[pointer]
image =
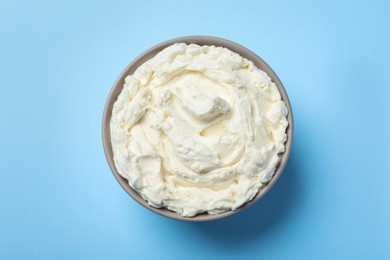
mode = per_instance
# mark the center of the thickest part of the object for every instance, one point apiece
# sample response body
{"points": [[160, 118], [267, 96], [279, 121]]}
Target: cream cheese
{"points": [[198, 129]]}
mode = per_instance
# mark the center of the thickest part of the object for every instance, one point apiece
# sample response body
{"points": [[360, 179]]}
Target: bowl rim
{"points": [[148, 54]]}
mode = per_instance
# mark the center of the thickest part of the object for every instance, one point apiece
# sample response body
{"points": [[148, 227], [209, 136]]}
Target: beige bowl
{"points": [[200, 40]]}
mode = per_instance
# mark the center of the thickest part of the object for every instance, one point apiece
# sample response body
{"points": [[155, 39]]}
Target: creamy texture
{"points": [[198, 129]]}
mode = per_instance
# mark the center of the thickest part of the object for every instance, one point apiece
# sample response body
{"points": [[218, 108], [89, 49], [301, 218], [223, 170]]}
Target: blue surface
{"points": [[58, 198]]}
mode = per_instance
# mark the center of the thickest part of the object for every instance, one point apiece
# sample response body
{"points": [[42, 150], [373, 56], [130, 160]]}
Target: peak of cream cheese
{"points": [[198, 129]]}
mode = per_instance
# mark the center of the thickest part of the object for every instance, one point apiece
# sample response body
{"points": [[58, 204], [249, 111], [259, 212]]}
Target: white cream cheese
{"points": [[198, 129]]}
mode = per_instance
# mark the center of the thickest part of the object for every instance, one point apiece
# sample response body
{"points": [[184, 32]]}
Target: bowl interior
{"points": [[200, 40]]}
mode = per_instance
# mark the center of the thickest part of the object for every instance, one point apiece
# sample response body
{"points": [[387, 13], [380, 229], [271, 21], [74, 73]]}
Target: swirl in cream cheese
{"points": [[198, 129]]}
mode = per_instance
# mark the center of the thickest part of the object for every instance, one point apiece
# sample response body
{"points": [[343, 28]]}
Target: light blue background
{"points": [[58, 198]]}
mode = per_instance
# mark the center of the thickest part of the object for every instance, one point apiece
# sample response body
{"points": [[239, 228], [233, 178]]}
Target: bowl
{"points": [[200, 40]]}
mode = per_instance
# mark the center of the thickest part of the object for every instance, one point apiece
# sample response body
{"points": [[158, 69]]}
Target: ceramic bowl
{"points": [[200, 40]]}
